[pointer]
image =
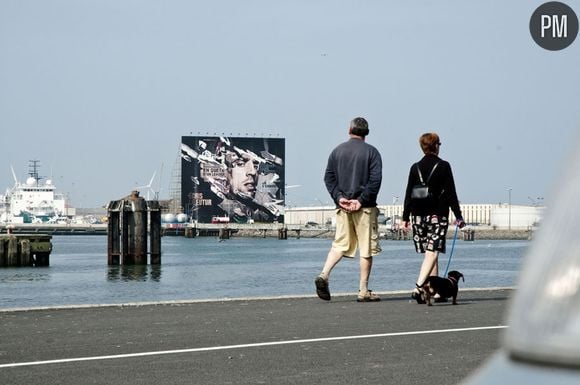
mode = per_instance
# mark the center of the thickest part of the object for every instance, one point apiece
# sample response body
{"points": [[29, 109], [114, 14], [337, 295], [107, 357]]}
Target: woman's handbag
{"points": [[421, 191]]}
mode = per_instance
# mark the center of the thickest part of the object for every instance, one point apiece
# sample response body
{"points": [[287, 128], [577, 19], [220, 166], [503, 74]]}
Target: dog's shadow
{"points": [[476, 300], [471, 301]]}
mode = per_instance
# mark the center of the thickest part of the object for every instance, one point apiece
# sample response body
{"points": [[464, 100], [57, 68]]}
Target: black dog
{"points": [[445, 287]]}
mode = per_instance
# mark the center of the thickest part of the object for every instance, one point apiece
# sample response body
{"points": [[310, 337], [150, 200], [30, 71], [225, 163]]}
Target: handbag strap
{"points": [[432, 171], [419, 171], [430, 174]]}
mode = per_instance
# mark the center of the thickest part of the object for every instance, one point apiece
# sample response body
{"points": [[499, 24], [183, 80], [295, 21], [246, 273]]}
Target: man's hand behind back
{"points": [[349, 205]]}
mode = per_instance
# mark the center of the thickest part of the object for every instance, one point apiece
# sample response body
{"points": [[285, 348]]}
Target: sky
{"points": [[101, 91]]}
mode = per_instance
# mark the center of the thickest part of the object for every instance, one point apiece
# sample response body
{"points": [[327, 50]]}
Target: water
{"points": [[203, 268]]}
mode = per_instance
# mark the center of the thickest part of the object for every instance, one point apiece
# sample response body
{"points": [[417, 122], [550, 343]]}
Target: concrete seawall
{"points": [[271, 231], [479, 234], [500, 234]]}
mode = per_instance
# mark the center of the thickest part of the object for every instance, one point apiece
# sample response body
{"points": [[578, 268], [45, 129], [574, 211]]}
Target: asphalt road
{"points": [[267, 341]]}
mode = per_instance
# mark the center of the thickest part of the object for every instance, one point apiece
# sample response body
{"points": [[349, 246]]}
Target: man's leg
{"points": [[364, 294], [366, 264], [368, 242], [321, 281], [341, 245], [333, 257]]}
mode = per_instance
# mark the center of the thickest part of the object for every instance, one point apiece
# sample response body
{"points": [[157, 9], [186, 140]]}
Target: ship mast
{"points": [[33, 167]]}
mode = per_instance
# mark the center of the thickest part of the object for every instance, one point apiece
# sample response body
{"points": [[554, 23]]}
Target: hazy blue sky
{"points": [[101, 91]]}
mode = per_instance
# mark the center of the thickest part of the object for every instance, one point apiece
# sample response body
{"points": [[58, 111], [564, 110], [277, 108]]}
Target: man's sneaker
{"points": [[369, 296], [322, 288]]}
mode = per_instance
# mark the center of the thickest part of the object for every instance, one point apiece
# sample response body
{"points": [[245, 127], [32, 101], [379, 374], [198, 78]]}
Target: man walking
{"points": [[353, 178]]}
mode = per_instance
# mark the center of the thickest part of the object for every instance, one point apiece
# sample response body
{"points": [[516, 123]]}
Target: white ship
{"points": [[34, 201]]}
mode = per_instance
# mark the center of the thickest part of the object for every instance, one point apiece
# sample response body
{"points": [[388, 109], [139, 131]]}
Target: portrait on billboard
{"points": [[236, 179]]}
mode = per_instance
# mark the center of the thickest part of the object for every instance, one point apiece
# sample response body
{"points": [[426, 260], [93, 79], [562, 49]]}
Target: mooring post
{"points": [[41, 259], [469, 235], [155, 232], [25, 257], [283, 233], [130, 219], [2, 252], [138, 228], [126, 257], [114, 234], [12, 259], [25, 250], [224, 233]]}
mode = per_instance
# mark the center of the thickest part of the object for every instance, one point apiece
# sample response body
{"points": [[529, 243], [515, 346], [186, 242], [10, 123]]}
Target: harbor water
{"points": [[205, 268]]}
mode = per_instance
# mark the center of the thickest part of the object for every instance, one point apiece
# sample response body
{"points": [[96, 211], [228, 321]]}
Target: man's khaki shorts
{"points": [[357, 229]]}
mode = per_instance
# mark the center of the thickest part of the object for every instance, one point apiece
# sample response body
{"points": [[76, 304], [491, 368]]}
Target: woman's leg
{"points": [[435, 269], [429, 264]]}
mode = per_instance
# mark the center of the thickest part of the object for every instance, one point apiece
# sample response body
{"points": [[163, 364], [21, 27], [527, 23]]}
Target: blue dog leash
{"points": [[452, 248]]}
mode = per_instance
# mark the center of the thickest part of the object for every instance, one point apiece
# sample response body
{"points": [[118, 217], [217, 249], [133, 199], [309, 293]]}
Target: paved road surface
{"points": [[271, 341]]}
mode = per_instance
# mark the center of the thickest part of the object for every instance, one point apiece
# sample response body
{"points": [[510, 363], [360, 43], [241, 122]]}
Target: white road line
{"points": [[254, 345]]}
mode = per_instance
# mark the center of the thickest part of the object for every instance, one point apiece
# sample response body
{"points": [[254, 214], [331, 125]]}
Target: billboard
{"points": [[233, 180]]}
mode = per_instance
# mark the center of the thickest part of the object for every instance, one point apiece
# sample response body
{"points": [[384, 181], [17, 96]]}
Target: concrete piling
{"points": [[137, 231], [155, 232], [114, 236], [25, 257], [283, 233], [23, 250], [130, 219], [224, 233], [469, 235], [12, 251]]}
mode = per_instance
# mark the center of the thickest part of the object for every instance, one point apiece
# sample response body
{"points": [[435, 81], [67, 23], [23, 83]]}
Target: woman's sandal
{"points": [[418, 295]]}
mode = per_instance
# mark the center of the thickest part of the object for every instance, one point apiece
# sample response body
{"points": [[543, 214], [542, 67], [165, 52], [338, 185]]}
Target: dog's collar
{"points": [[452, 279]]}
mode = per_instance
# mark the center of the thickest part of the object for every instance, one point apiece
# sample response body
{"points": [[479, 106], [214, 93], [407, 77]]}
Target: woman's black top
{"points": [[441, 187]]}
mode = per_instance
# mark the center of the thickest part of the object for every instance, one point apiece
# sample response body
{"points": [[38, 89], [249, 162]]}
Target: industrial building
{"points": [[497, 216]]}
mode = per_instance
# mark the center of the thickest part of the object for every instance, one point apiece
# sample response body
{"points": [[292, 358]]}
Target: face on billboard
{"points": [[242, 175], [241, 179]]}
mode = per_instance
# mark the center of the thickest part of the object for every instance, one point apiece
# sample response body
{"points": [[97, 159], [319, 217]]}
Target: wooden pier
{"points": [[21, 250]]}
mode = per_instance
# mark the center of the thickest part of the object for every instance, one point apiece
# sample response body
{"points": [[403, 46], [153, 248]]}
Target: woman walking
{"points": [[429, 195]]}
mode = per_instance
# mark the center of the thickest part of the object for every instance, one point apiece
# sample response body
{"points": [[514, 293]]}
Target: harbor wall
{"points": [[55, 229], [328, 233], [257, 231]]}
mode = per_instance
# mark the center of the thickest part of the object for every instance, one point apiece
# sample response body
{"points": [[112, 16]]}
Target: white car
{"points": [[542, 343]]}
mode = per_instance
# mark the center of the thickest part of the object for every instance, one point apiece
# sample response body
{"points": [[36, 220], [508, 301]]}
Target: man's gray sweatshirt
{"points": [[354, 171]]}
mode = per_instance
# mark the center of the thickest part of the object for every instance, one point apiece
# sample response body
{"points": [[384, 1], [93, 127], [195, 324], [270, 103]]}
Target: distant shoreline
{"points": [[484, 233], [498, 234], [478, 234]]}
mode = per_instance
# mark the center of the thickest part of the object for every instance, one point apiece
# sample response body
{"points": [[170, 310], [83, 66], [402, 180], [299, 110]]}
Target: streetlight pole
{"points": [[394, 217], [509, 208], [322, 211]]}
